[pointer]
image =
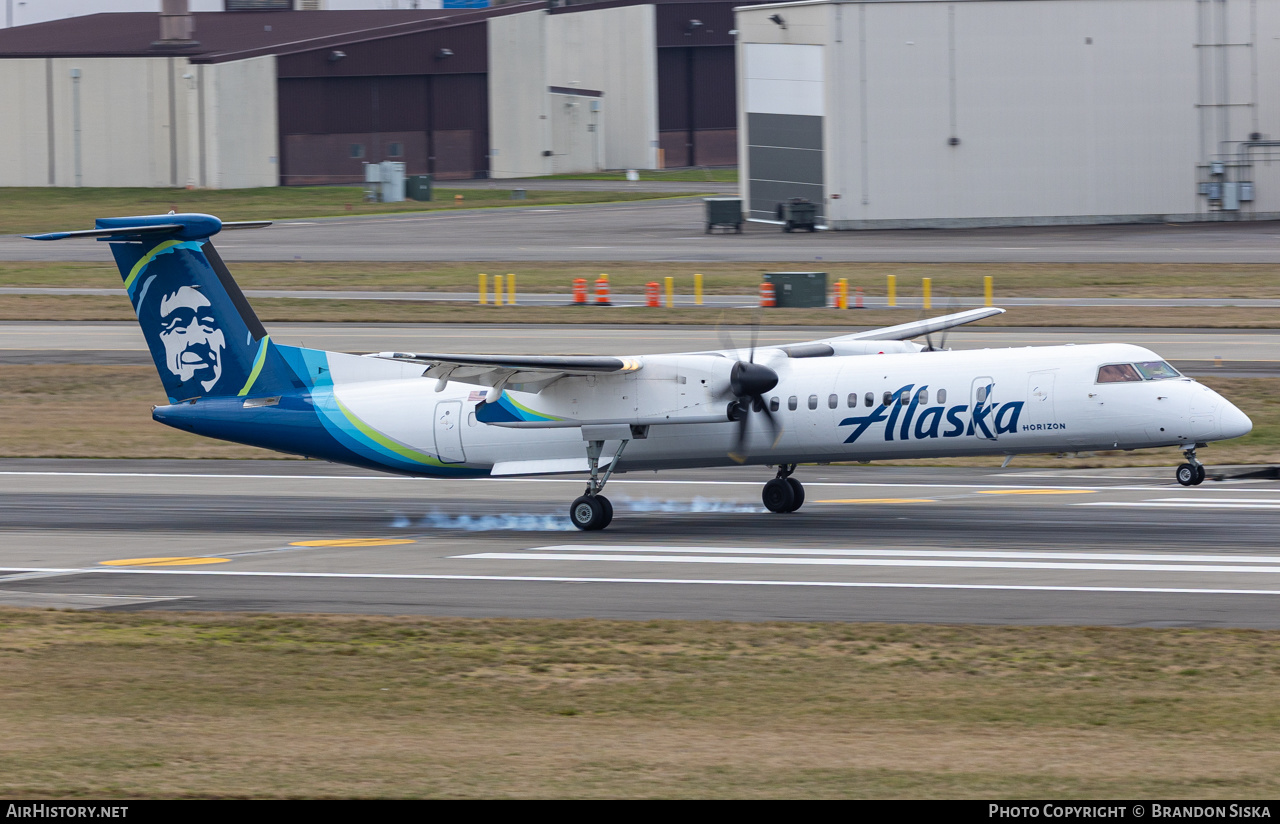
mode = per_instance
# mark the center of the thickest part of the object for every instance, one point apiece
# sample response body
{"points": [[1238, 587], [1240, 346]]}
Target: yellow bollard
{"points": [[484, 298], [988, 287], [926, 292], [497, 290], [511, 289], [842, 293], [892, 295], [697, 290], [671, 291]]}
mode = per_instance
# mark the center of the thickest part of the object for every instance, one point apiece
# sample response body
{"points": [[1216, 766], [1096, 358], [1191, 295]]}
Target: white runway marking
{"points": [[709, 581], [921, 553], [865, 562], [1184, 504]]}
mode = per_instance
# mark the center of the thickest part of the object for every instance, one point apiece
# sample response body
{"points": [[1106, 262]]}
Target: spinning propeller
{"points": [[748, 381]]}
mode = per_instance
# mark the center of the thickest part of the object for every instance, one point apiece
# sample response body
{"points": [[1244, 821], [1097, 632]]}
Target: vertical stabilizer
{"points": [[203, 335]]}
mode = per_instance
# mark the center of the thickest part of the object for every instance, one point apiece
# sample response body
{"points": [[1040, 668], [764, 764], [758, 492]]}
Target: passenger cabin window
{"points": [[904, 398], [1118, 373], [792, 403], [888, 398], [942, 396], [870, 399], [853, 399], [922, 397], [833, 401], [813, 401], [1157, 370], [773, 404]]}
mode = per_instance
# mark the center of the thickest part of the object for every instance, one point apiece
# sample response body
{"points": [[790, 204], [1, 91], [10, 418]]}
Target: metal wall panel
{"points": [[697, 93], [414, 53]]}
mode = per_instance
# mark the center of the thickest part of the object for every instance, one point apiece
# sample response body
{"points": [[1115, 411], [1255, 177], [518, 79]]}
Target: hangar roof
{"points": [[224, 36]]}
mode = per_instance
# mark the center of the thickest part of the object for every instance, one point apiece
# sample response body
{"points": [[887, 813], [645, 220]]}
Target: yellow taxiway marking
{"points": [[154, 562], [879, 501], [355, 542], [1036, 491]]}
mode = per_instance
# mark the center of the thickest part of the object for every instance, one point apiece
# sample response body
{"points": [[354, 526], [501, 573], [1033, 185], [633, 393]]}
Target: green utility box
{"points": [[724, 213], [799, 289], [798, 213], [417, 187]]}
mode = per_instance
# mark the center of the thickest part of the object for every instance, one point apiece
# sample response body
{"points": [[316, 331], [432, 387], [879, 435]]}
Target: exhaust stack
{"points": [[177, 25]]}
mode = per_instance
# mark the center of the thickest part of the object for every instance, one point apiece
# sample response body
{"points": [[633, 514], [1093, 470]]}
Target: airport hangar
{"points": [[244, 99], [954, 113]]}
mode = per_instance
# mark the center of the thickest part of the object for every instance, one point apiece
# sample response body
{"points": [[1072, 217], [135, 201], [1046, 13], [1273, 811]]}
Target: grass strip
{"points": [[31, 210], [163, 705], [75, 411], [1054, 280]]}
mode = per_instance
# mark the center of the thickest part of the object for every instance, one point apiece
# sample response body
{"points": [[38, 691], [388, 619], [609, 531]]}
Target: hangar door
{"points": [[783, 110], [434, 124]]}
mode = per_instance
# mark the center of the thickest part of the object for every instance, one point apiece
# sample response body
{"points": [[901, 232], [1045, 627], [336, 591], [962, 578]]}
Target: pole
{"points": [[988, 284], [892, 295], [697, 290], [484, 298], [497, 290], [926, 291], [671, 291]]}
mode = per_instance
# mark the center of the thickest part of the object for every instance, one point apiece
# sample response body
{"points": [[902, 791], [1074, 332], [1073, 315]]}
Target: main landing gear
{"points": [[1192, 472], [784, 493], [591, 510]]}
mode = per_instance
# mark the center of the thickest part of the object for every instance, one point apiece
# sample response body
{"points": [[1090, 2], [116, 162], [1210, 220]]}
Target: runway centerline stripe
{"points": [[919, 553], [868, 562], [702, 581]]}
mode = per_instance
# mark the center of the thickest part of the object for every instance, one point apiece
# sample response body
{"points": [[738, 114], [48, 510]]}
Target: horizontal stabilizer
{"points": [[187, 227], [163, 228]]}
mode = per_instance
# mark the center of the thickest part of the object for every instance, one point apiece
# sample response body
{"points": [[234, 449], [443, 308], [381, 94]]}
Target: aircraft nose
{"points": [[1233, 422]]}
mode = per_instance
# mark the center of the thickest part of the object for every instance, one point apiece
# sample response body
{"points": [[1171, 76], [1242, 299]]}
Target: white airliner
{"points": [[861, 397]]}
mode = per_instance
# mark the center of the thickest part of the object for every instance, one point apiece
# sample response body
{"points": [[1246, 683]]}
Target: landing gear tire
{"points": [[797, 491], [591, 512], [1200, 473], [779, 496], [1188, 474]]}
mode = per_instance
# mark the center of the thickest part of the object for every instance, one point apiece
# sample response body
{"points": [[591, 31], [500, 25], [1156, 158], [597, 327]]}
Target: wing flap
{"points": [[906, 331]]}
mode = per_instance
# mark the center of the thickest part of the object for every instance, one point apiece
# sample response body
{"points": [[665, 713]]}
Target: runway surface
{"points": [[1250, 352], [1115, 547], [672, 230]]}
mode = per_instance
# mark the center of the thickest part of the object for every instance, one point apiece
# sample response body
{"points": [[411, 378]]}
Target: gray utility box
{"points": [[384, 182], [798, 213], [417, 187], [724, 213], [799, 289]]}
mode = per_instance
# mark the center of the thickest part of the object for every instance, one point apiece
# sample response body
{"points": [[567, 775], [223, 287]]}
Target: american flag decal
{"points": [[477, 395]]}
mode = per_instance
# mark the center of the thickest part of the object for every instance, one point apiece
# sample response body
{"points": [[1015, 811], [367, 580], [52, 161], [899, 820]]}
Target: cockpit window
{"points": [[1157, 370], [1118, 373]]}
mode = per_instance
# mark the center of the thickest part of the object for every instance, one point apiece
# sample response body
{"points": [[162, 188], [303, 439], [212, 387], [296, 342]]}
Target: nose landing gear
{"points": [[1192, 472], [784, 493]]}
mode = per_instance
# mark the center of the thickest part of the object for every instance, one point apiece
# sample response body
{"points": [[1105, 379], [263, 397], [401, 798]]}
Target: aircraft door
{"points": [[448, 431], [982, 404], [1040, 396]]}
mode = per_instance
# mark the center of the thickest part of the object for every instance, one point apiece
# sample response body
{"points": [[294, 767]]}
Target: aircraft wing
{"points": [[906, 331], [532, 372]]}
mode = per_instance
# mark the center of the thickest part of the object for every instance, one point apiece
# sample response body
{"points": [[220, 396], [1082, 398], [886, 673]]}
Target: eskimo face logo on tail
{"points": [[193, 340], [901, 421]]}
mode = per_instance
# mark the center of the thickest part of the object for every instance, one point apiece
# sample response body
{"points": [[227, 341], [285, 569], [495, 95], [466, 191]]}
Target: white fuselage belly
{"points": [[1043, 399]]}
